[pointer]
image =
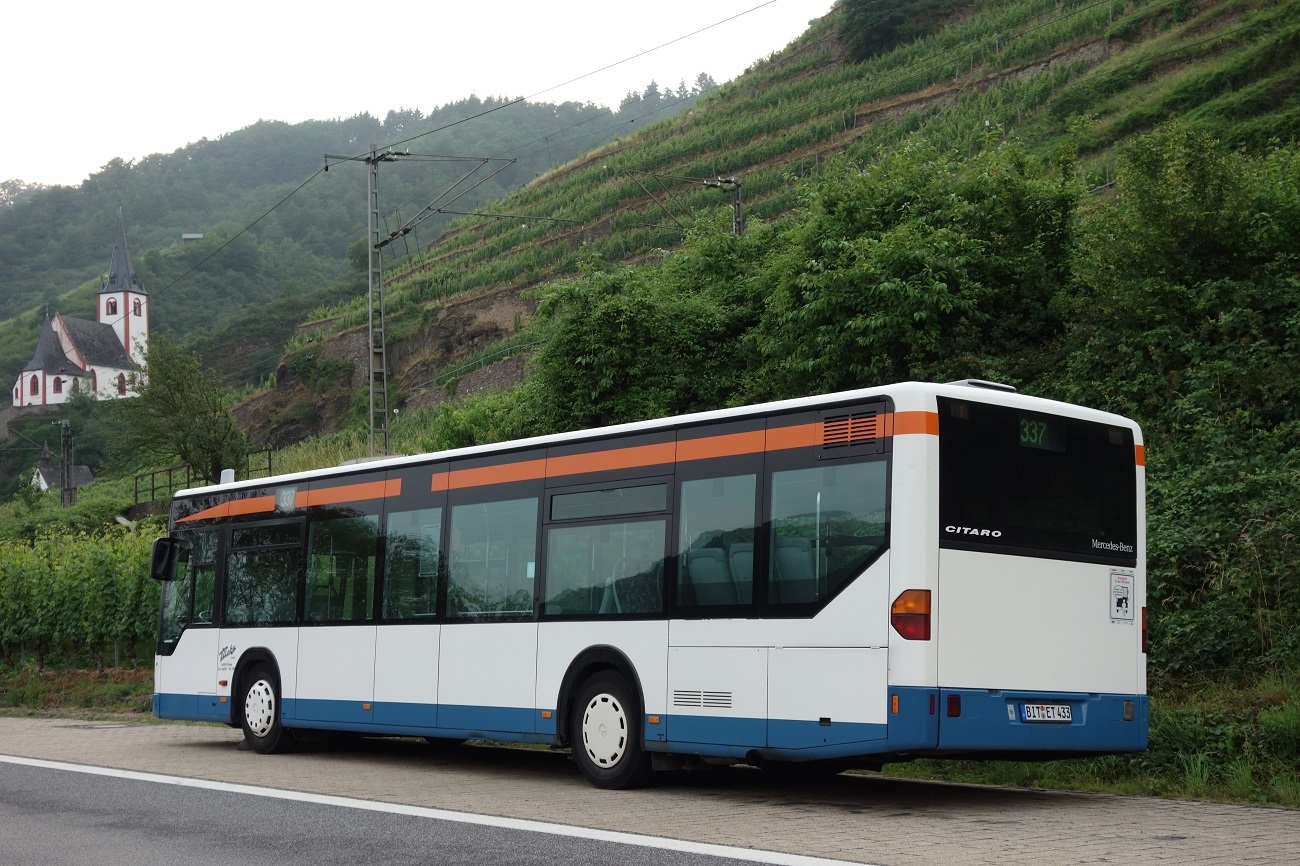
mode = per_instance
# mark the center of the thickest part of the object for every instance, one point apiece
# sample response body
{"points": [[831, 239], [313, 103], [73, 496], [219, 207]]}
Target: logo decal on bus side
{"points": [[971, 530]]}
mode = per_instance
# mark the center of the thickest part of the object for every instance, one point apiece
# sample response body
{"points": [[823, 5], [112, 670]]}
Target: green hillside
{"points": [[1100, 73], [275, 228]]}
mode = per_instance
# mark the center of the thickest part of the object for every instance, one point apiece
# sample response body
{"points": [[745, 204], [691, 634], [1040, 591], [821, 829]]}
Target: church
{"points": [[99, 357]]}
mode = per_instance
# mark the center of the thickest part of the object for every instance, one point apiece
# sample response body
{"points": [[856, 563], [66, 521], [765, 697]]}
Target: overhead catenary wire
{"points": [[318, 172], [585, 75]]}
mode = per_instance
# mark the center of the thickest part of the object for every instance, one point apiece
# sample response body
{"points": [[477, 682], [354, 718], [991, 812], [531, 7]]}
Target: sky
{"points": [[90, 80]]}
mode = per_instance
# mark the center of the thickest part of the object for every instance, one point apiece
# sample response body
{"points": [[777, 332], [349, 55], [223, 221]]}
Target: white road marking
{"points": [[748, 855]]}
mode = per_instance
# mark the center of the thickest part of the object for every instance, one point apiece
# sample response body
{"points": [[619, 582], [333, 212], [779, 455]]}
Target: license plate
{"points": [[1046, 713]]}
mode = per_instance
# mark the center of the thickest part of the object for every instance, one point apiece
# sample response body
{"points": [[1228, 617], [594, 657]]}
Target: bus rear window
{"points": [[1022, 482]]}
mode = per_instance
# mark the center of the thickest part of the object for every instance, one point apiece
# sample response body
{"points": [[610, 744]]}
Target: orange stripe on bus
{"points": [[234, 508], [909, 423], [798, 436], [616, 458], [1141, 454], [440, 478], [727, 445], [255, 505], [526, 470], [330, 496], [351, 493]]}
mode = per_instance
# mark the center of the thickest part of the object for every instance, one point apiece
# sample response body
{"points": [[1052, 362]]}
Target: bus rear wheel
{"points": [[607, 733], [260, 712]]}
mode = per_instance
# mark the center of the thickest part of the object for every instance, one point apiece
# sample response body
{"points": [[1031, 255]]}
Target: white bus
{"points": [[918, 570]]}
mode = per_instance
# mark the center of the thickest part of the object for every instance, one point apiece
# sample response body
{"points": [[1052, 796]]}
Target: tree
{"points": [[181, 413], [704, 83], [871, 27], [923, 265]]}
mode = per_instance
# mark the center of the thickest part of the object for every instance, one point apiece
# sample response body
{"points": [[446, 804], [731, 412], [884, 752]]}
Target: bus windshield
{"points": [[1020, 482]]}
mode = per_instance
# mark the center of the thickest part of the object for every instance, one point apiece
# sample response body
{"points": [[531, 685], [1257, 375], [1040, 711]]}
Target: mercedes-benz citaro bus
{"points": [[918, 570]]}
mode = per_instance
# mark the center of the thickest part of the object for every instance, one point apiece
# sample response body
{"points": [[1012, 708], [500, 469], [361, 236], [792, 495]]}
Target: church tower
{"points": [[103, 357], [123, 303]]}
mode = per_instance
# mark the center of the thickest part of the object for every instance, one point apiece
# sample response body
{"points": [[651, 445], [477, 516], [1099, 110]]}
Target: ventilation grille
{"points": [[855, 429], [712, 700]]}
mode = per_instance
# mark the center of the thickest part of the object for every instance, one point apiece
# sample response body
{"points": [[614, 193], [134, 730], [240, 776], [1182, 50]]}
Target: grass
{"points": [[120, 690]]}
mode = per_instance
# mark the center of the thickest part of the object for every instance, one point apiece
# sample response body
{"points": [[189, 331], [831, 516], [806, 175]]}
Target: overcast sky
{"points": [[84, 81]]}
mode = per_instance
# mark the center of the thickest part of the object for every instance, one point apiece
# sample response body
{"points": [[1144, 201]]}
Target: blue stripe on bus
{"points": [[716, 730], [193, 708], [989, 720], [512, 719], [304, 712], [994, 720]]}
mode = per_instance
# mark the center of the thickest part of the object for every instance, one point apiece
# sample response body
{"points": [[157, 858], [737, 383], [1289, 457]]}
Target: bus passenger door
{"points": [[336, 644], [259, 597], [487, 660], [406, 652], [185, 678]]}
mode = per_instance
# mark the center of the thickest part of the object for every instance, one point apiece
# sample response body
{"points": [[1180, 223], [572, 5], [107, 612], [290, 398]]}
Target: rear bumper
{"points": [[984, 720]]}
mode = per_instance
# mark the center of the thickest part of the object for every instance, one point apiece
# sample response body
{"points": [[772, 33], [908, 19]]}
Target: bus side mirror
{"points": [[162, 563]]}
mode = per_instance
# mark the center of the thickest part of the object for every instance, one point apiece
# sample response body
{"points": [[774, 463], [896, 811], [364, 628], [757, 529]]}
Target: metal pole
{"points": [[67, 493], [378, 357], [737, 215]]}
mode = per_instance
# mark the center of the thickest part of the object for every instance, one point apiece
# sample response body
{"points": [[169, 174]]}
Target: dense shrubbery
{"points": [[1186, 315], [78, 599]]}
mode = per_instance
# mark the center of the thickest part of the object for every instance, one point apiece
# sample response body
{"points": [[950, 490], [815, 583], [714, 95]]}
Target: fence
{"points": [[163, 483]]}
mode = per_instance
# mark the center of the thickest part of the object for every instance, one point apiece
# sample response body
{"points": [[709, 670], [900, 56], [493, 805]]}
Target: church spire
{"points": [[121, 273]]}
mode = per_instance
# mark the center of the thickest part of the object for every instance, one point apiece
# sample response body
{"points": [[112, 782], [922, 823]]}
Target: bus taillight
{"points": [[910, 614], [1144, 629]]}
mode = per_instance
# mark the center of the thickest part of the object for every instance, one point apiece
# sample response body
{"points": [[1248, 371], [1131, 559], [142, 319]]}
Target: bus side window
{"points": [[605, 569], [828, 522], [263, 570], [716, 555], [188, 599], [411, 564], [203, 565], [341, 568], [493, 559]]}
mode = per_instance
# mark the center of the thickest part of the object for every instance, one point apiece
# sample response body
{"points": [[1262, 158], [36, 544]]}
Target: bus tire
{"points": [[260, 712], [607, 733]]}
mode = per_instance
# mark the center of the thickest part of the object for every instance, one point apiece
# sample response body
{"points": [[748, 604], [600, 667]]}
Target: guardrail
{"points": [[163, 483]]}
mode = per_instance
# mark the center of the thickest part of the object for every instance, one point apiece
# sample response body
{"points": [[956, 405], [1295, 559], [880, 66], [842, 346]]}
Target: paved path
{"points": [[864, 818]]}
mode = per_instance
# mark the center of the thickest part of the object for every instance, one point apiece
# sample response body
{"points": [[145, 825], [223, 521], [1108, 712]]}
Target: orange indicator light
{"points": [[893, 704], [365, 706], [654, 720], [546, 714]]}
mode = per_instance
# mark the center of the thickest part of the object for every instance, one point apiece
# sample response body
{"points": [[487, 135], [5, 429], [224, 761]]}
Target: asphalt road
{"points": [[859, 818], [57, 817]]}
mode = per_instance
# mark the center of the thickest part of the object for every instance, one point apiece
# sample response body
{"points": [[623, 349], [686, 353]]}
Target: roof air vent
{"points": [[983, 383]]}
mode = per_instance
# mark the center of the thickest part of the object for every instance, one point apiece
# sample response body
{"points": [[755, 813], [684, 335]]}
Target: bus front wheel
{"points": [[607, 733], [263, 730]]}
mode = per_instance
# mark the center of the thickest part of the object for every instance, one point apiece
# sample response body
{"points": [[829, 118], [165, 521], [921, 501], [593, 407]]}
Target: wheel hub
{"points": [[259, 708], [604, 730]]}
